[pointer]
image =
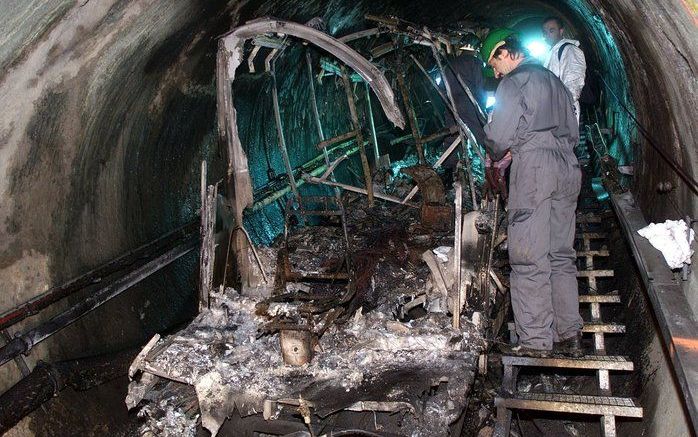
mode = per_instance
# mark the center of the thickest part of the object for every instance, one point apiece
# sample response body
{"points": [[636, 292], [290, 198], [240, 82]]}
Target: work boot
{"points": [[519, 350], [571, 347]]}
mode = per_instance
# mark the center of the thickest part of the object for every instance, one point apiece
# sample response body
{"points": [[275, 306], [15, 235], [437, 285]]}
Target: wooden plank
{"points": [[608, 328]]}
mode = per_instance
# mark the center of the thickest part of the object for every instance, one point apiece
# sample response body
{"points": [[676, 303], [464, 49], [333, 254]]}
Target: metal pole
{"points": [[411, 118], [316, 180], [275, 195], [374, 137], [456, 254], [55, 294], [208, 246], [359, 137], [23, 343], [465, 130], [280, 134], [326, 154], [471, 179]]}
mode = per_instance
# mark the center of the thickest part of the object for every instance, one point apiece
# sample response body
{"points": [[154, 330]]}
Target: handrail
{"points": [[96, 275]]}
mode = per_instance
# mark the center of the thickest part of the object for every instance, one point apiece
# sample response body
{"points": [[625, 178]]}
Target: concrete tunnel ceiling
{"points": [[109, 108]]}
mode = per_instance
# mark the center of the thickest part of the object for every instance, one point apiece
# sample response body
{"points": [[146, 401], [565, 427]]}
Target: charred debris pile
{"points": [[383, 287], [388, 346]]}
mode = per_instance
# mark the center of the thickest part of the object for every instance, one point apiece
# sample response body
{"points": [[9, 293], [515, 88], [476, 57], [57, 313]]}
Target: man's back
{"points": [[539, 113]]}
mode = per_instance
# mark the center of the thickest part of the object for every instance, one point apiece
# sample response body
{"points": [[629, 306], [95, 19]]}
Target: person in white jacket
{"points": [[566, 60]]}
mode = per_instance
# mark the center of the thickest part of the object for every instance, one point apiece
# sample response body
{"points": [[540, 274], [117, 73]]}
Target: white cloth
{"points": [[570, 68], [671, 238]]}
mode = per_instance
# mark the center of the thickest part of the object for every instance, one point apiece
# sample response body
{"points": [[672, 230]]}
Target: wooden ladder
{"points": [[603, 404]]}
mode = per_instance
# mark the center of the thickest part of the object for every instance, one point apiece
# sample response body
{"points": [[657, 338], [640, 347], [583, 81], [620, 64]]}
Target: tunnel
{"points": [[110, 108]]}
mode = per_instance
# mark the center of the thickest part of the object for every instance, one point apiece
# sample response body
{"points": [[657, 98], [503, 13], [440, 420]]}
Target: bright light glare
{"points": [[538, 49], [490, 102], [438, 80]]}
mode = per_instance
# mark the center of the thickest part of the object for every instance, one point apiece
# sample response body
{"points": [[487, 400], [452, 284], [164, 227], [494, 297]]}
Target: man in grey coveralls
{"points": [[534, 119]]}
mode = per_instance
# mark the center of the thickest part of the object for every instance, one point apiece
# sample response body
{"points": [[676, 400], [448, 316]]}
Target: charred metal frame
{"points": [[230, 56]]}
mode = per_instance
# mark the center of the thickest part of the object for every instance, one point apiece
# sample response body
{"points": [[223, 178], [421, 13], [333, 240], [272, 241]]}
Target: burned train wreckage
{"points": [[378, 302]]}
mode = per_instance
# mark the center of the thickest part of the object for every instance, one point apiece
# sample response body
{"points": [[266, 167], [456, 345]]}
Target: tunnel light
{"points": [[538, 48], [490, 102]]}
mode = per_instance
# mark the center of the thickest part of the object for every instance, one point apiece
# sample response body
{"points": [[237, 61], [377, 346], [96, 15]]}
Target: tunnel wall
{"points": [[659, 44], [108, 109]]}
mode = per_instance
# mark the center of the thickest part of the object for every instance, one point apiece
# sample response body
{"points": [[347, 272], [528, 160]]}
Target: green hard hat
{"points": [[491, 42]]}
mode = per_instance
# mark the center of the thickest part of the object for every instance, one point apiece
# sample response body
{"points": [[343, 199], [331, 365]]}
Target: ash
{"points": [[412, 362]]}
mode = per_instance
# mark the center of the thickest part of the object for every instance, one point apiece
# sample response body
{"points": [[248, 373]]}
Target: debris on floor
{"points": [[391, 353]]}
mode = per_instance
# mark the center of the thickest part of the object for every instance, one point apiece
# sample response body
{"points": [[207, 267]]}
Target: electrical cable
{"points": [[680, 171]]}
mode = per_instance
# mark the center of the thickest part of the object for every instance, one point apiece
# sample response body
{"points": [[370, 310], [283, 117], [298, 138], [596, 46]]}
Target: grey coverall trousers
{"points": [[544, 186], [534, 119]]}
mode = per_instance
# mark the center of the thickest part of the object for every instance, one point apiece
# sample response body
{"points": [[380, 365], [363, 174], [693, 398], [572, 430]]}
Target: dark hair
{"points": [[558, 20], [513, 46]]}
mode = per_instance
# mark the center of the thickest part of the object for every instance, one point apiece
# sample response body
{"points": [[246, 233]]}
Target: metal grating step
{"points": [[581, 253], [562, 403], [599, 298], [595, 273], [608, 328], [593, 362]]}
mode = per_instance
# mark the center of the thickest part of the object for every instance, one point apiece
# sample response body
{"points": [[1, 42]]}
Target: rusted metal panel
{"points": [[429, 183], [437, 217]]}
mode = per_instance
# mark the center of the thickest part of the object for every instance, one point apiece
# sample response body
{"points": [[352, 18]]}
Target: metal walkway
{"points": [[604, 404]]}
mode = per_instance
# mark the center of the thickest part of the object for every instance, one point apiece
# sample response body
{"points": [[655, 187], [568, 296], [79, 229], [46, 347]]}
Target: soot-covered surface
{"points": [[373, 356]]}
